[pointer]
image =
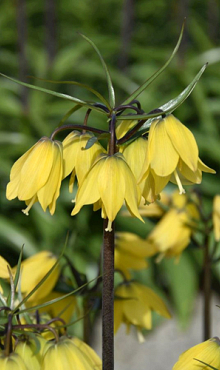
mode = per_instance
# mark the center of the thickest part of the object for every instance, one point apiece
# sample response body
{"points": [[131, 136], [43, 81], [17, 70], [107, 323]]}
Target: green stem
{"points": [[108, 299]]}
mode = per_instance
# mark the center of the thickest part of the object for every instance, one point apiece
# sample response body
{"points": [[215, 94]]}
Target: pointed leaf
{"points": [[109, 81], [167, 107], [59, 95], [18, 269], [204, 363], [96, 93], [137, 92], [69, 113]]}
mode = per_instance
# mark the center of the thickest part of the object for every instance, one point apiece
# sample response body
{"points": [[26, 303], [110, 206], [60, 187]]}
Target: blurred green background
{"points": [[39, 38]]}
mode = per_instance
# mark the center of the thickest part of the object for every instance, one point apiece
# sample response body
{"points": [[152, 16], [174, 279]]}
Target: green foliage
{"points": [[27, 115]]}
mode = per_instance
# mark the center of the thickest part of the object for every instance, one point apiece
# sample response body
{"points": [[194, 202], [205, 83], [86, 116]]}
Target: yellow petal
{"points": [[163, 157], [36, 169], [183, 141], [205, 168], [70, 150]]}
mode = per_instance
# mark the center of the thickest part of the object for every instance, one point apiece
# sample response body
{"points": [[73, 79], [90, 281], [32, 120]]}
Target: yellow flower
{"points": [[208, 352], [33, 269], [172, 233], [12, 362], [63, 308], [76, 159], [172, 155], [109, 182], [30, 354], [134, 303], [4, 274], [131, 252], [37, 175], [70, 354], [216, 217], [123, 127]]}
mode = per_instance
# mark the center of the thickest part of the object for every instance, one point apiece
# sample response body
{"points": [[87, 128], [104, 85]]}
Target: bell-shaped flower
{"points": [[33, 270], [172, 233], [203, 356], [131, 252], [70, 354], [133, 305], [216, 217], [77, 159], [12, 362], [172, 155], [31, 351], [109, 183], [37, 175]]}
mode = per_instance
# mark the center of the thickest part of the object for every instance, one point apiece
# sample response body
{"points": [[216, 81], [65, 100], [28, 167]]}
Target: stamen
{"points": [[180, 186], [26, 210], [109, 227]]}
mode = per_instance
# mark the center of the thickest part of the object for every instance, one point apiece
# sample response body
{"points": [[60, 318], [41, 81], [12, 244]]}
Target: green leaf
{"points": [[170, 106], [96, 93], [18, 269], [68, 114], [42, 280], [59, 95], [55, 300], [180, 287], [204, 363], [140, 89], [109, 81], [90, 142]]}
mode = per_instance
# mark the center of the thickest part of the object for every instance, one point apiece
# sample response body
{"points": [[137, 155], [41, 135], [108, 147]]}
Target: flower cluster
{"points": [[39, 354], [141, 168]]}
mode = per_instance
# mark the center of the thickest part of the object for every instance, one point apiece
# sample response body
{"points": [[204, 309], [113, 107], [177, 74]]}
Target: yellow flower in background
{"points": [[33, 269], [133, 305], [172, 233], [172, 155], [76, 159], [208, 352], [110, 182], [63, 308], [70, 354], [4, 274], [37, 175], [131, 252], [216, 217]]}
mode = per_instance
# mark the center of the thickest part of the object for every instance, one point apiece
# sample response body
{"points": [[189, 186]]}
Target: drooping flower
{"points": [[12, 362], [216, 217], [70, 354], [109, 183], [195, 358], [28, 350], [131, 252], [33, 269], [123, 127], [172, 155], [77, 159], [172, 233], [37, 175], [133, 305]]}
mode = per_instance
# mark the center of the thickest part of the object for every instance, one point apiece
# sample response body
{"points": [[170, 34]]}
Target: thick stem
{"points": [[108, 299], [207, 291]]}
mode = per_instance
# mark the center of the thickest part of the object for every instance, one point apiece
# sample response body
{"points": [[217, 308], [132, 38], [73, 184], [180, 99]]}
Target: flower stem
{"points": [[108, 299]]}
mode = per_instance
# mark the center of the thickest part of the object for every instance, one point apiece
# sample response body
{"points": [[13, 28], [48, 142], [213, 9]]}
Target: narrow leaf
{"points": [[168, 107], [96, 93], [140, 89], [90, 142], [18, 269], [204, 363], [68, 114], [109, 81], [59, 95]]}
